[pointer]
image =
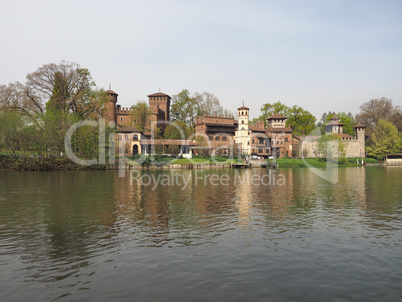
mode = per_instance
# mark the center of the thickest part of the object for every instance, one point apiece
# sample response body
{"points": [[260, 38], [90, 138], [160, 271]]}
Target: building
{"points": [[117, 116], [217, 132], [352, 146], [132, 141]]}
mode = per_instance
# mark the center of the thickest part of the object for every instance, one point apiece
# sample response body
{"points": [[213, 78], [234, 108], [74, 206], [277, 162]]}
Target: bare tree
{"points": [[65, 87]]}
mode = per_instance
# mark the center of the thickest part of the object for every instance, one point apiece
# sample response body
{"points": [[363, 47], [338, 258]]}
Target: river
{"points": [[189, 235]]}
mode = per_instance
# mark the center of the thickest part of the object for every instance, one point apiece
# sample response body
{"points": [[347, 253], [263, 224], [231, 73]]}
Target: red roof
{"points": [[359, 126], [243, 108], [334, 117], [276, 116], [273, 129], [158, 94], [110, 92]]}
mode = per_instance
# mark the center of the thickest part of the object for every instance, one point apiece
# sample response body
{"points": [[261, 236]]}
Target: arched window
{"points": [[242, 122], [135, 137]]}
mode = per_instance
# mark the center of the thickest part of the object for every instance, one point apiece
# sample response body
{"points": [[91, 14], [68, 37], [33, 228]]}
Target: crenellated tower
{"points": [[110, 108]]}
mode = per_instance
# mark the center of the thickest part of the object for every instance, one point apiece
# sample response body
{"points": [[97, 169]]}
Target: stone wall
{"points": [[308, 147]]}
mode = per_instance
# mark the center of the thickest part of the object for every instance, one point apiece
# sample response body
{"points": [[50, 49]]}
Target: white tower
{"points": [[242, 134]]}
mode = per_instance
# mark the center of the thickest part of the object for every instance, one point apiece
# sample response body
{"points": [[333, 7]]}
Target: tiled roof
{"points": [[359, 126], [285, 129], [243, 108], [110, 92], [276, 116], [158, 94]]}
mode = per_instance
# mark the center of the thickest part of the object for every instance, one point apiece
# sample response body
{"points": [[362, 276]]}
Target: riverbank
{"points": [[321, 163], [43, 164], [61, 163]]}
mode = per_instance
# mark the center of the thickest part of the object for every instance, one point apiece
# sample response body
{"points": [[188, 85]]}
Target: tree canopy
{"points": [[299, 119], [139, 114], [385, 139], [63, 87], [185, 107]]}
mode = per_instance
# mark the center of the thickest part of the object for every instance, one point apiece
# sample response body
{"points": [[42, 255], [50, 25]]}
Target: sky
{"points": [[319, 55]]}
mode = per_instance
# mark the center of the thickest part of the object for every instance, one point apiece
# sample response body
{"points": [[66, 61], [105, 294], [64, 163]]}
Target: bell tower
{"points": [[242, 134]]}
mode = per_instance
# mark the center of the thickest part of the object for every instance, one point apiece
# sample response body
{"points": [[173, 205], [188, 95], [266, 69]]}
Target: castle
{"points": [[117, 116], [223, 135], [353, 146]]}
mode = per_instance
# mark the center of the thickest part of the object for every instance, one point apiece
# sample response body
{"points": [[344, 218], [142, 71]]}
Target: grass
{"points": [[320, 163]]}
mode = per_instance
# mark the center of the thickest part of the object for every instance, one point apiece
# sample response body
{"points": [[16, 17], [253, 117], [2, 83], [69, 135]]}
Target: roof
{"points": [[158, 94], [334, 124], [282, 129], [334, 117], [220, 125], [256, 129], [359, 126], [243, 108], [168, 142], [276, 116], [110, 92], [128, 129]]}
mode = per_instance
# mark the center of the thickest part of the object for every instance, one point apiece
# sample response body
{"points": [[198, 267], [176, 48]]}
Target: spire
{"points": [[110, 86]]}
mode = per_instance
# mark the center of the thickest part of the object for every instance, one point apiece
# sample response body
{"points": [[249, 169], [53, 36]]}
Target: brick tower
{"points": [[110, 108]]}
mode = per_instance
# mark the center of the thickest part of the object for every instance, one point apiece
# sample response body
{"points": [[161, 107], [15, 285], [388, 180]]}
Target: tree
{"points": [[65, 87], [207, 103], [139, 115], [177, 130], [374, 110], [346, 119], [184, 108], [269, 109], [301, 121], [385, 139]]}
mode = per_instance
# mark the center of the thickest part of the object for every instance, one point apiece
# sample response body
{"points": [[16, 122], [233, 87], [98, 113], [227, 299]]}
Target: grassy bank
{"points": [[43, 164], [321, 163]]}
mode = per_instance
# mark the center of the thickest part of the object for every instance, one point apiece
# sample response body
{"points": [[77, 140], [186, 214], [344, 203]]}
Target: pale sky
{"points": [[320, 55]]}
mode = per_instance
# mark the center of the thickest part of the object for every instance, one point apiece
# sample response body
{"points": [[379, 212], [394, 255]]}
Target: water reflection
{"points": [[65, 227]]}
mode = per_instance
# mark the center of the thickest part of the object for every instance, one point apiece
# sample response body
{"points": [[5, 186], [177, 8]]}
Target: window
{"points": [[126, 137], [217, 138], [277, 142], [267, 151], [261, 141], [248, 143], [259, 150], [281, 142], [224, 138], [120, 137], [249, 133], [211, 138], [242, 122], [121, 119], [253, 141], [286, 139], [135, 137]]}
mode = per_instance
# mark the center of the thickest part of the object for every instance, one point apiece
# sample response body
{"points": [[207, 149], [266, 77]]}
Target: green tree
{"points": [[184, 108], [269, 109], [139, 115], [177, 130], [301, 121], [385, 139]]}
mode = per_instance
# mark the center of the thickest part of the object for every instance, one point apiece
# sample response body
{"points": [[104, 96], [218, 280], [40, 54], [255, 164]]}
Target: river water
{"points": [[223, 235]]}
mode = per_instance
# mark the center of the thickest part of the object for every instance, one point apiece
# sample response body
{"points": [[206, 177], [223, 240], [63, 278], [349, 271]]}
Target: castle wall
{"points": [[308, 147]]}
